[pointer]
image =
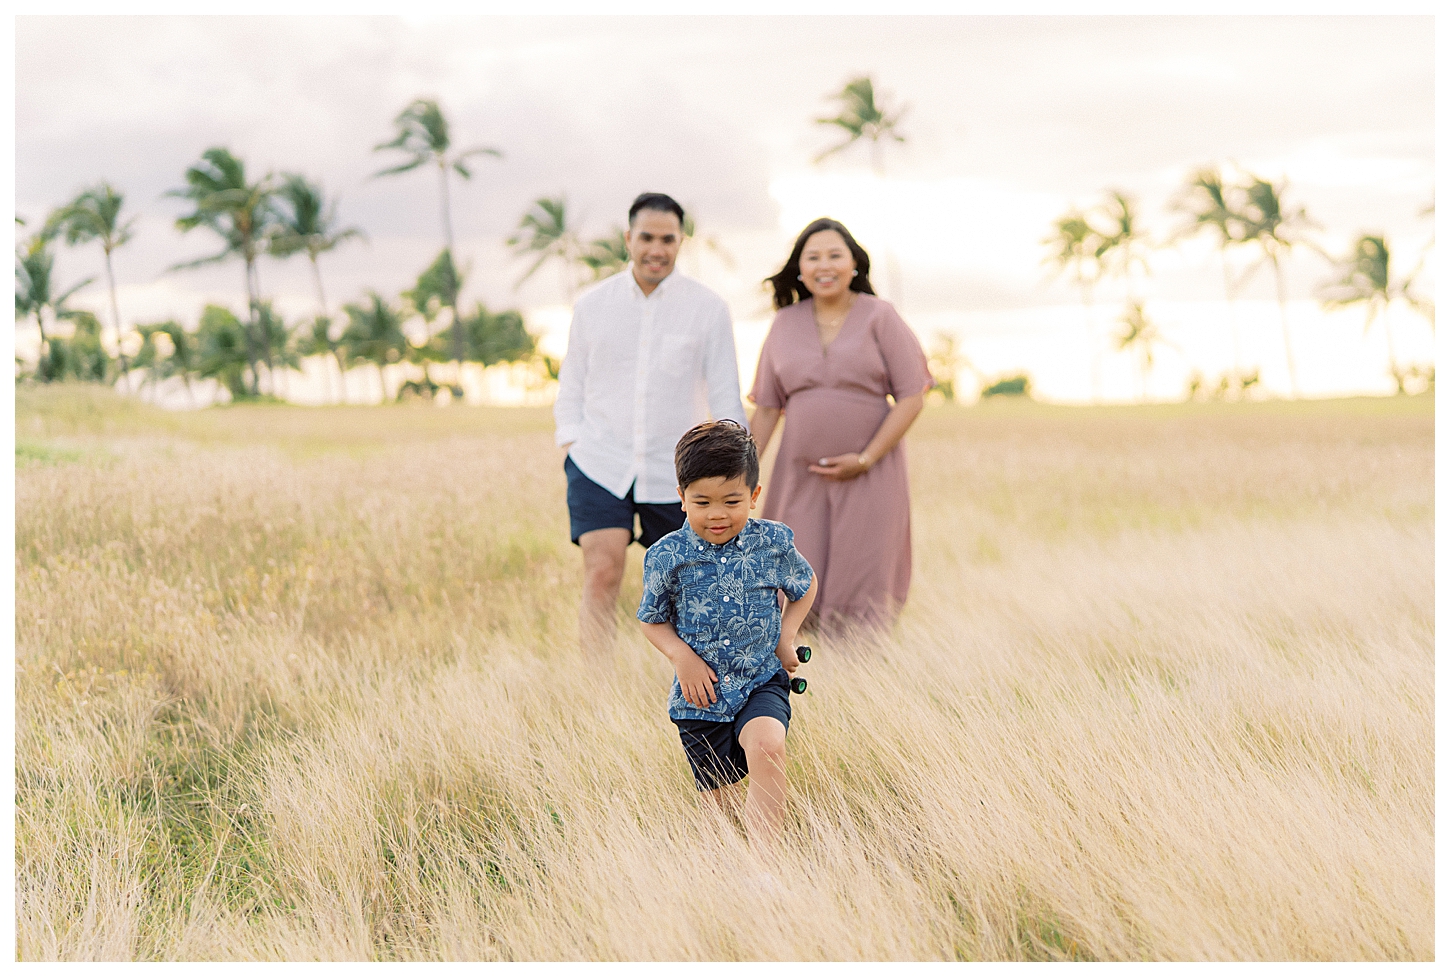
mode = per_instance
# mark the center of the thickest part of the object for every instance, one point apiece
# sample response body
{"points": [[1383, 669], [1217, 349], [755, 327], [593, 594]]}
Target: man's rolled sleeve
{"points": [[569, 404], [722, 370]]}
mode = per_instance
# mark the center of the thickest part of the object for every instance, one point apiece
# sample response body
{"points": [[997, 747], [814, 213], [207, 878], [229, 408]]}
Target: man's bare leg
{"points": [[763, 740], [603, 551]]}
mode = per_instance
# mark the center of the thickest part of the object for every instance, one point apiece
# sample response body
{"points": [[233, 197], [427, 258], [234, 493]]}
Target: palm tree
{"points": [[95, 215], [423, 136], [1074, 243], [694, 241], [244, 216], [437, 286], [182, 361], [1142, 332], [544, 231], [863, 116], [1276, 230], [606, 256], [309, 224], [374, 335], [224, 350], [1205, 199], [497, 337], [318, 341], [34, 267], [277, 339], [1365, 277], [1122, 246]]}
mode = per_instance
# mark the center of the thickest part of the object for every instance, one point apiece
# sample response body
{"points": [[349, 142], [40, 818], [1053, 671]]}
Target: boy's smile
{"points": [[718, 508]]}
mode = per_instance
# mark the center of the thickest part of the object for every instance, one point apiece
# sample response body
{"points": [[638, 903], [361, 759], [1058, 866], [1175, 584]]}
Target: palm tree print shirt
{"points": [[722, 601]]}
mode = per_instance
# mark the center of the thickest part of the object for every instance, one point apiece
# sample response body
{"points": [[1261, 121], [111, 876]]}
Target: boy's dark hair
{"points": [[717, 449], [662, 202]]}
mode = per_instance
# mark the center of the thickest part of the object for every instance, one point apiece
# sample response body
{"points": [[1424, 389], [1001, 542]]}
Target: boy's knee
{"points": [[763, 738]]}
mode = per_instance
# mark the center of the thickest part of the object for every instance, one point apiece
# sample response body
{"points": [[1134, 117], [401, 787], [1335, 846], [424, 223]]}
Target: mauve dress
{"points": [[856, 534]]}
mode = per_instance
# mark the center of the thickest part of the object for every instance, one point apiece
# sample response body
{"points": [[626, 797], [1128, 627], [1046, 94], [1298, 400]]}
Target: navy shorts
{"points": [[592, 506], [716, 757]]}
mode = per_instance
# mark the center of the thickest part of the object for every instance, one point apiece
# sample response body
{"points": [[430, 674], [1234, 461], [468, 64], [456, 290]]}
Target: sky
{"points": [[1009, 122]]}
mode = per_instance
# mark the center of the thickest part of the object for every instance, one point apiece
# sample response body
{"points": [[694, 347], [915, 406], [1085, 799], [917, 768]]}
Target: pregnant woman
{"points": [[834, 353]]}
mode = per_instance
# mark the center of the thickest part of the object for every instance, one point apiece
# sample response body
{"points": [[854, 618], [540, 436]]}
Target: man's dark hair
{"points": [[662, 202], [717, 449]]}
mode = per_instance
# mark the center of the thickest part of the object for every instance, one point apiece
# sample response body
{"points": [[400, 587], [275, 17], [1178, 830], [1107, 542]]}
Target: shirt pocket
{"points": [[679, 354]]}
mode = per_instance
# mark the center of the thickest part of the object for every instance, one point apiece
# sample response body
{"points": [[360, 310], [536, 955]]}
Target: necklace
{"points": [[830, 325]]}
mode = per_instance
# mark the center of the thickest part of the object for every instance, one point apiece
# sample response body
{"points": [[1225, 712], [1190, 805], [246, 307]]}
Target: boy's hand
{"points": [[697, 679], [785, 651]]}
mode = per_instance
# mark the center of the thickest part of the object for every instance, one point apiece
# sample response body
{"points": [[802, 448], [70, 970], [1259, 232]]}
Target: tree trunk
{"points": [[1233, 322], [341, 376], [453, 284], [253, 357], [1087, 318], [321, 296], [1390, 342], [1284, 323], [116, 321], [447, 217]]}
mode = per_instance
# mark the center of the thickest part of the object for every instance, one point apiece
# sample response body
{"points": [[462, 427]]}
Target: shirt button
{"points": [[727, 642], [726, 598]]}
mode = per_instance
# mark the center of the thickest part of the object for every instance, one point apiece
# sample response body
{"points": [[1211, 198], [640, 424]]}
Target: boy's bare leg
{"points": [[724, 800], [604, 551], [763, 740]]}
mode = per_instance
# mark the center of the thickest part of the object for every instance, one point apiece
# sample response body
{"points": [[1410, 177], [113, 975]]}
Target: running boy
{"points": [[710, 607]]}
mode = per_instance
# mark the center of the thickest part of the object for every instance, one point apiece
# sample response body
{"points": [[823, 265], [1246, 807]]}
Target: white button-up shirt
{"points": [[640, 372]]}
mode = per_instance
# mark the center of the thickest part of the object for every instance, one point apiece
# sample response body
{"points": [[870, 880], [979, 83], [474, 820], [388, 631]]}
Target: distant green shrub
{"points": [[1015, 386]]}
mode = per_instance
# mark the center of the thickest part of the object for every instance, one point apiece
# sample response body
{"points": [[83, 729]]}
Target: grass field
{"points": [[303, 683]]}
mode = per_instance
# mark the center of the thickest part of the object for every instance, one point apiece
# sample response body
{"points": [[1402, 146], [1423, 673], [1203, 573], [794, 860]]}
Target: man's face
{"points": [[654, 242]]}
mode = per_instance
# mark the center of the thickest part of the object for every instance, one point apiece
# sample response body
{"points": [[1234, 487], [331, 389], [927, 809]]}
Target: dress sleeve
{"points": [[658, 600], [767, 391], [906, 371], [796, 573]]}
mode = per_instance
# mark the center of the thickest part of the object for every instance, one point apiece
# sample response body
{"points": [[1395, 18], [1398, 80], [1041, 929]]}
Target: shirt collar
{"points": [[663, 285]]}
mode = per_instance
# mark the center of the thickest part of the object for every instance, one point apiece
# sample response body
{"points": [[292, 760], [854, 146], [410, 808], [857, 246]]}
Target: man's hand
{"points": [[697, 679], [785, 651]]}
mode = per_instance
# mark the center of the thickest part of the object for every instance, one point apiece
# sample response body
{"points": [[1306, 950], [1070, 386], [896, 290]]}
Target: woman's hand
{"points": [[840, 468]]}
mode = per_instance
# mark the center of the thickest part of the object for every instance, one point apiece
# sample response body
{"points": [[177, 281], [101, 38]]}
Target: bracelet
{"points": [[861, 460]]}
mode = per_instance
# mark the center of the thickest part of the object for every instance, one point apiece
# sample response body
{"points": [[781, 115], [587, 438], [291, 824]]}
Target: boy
{"points": [[710, 607]]}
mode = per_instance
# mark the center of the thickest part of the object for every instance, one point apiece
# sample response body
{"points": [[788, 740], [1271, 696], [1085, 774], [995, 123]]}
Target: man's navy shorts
{"points": [[592, 506], [716, 757]]}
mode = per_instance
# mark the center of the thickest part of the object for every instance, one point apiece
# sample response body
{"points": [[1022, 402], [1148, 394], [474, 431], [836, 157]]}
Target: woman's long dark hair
{"points": [[788, 287]]}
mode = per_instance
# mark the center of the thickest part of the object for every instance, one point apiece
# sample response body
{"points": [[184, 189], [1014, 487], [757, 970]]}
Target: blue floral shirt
{"points": [[722, 601]]}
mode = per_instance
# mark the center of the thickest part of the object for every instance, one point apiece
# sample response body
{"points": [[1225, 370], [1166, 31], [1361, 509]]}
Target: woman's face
{"points": [[826, 265]]}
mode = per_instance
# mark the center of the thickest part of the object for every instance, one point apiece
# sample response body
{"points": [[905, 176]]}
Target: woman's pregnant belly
{"points": [[820, 423]]}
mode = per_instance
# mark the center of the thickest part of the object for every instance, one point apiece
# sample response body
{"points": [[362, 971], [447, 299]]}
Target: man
{"points": [[651, 354]]}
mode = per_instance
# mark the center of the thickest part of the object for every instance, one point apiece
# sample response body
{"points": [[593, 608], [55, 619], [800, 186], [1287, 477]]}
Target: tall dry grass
{"points": [[303, 684]]}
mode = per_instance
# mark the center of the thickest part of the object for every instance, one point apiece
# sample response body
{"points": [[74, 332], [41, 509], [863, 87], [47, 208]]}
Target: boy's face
{"points": [[718, 508]]}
